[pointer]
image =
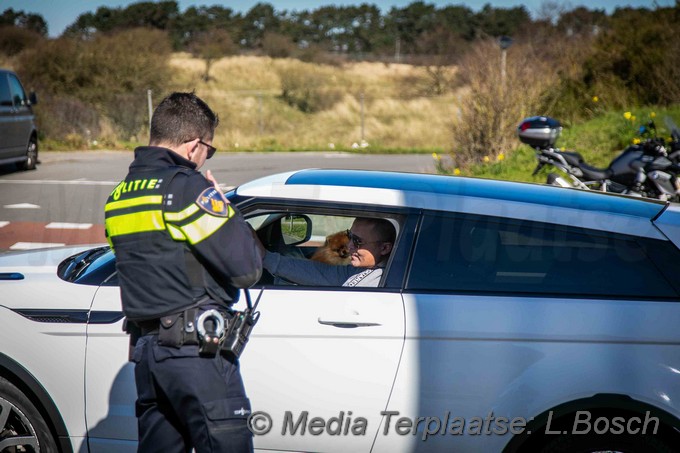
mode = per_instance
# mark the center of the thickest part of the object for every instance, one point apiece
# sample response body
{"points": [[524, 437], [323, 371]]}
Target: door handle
{"points": [[349, 323]]}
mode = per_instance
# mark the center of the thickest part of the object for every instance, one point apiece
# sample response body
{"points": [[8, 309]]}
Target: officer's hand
{"points": [[209, 176]]}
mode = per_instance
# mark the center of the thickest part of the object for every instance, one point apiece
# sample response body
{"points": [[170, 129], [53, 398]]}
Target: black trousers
{"points": [[185, 401]]}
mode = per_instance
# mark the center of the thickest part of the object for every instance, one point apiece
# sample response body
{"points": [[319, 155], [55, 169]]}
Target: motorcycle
{"points": [[644, 170]]}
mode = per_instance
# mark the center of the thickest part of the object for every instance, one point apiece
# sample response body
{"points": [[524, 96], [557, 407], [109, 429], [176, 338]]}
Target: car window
{"points": [[321, 226], [18, 94], [302, 234], [5, 94], [487, 254]]}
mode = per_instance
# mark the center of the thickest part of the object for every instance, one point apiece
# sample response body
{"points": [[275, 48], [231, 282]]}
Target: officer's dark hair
{"points": [[182, 117], [383, 227]]}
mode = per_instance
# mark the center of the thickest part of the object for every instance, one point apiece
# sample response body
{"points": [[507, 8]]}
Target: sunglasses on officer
{"points": [[211, 149]]}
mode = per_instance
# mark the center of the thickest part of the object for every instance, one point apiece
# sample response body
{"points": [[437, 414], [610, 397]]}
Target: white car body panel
{"points": [[111, 420], [518, 357], [295, 363], [49, 349]]}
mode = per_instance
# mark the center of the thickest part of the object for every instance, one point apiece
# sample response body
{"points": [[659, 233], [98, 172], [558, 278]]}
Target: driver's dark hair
{"points": [[182, 117], [382, 227]]}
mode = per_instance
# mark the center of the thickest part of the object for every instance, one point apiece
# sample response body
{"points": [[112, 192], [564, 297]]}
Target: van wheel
{"points": [[31, 155], [22, 428]]}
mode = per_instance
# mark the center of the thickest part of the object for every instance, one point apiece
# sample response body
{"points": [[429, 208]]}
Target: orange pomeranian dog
{"points": [[335, 250]]}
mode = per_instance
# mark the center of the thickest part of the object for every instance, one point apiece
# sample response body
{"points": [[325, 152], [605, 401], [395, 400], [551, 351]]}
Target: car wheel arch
{"points": [[609, 405], [36, 393]]}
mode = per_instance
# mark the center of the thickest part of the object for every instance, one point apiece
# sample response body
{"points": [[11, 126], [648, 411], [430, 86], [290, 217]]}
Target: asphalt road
{"points": [[62, 201]]}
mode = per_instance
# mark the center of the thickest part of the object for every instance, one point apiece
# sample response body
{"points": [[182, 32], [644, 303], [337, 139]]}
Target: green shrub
{"points": [[106, 77], [276, 45], [15, 39], [496, 103], [308, 89]]}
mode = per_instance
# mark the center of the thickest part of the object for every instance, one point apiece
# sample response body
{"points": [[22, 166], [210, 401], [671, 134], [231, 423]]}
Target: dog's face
{"points": [[335, 250], [339, 243]]}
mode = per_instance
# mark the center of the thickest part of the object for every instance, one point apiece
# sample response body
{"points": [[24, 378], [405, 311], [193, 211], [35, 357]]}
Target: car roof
{"points": [[429, 191]]}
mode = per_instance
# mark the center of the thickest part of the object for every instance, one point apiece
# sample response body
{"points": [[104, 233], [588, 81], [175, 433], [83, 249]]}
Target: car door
{"points": [[321, 364], [8, 130], [22, 117], [110, 391]]}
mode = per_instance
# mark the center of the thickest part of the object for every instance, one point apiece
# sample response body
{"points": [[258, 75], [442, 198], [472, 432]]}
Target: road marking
{"points": [[3, 223], [54, 181], [68, 226], [35, 245], [21, 206]]}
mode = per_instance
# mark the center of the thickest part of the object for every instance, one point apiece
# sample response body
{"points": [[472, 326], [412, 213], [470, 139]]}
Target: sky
{"points": [[61, 13]]}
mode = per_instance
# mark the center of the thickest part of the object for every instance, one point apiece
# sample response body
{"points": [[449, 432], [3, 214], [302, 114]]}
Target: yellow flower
{"points": [[627, 115], [501, 156], [435, 156], [595, 99], [456, 171], [486, 159], [652, 115], [636, 141]]}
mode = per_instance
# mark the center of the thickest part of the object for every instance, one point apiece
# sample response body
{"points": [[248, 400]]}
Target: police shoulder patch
{"points": [[213, 202]]}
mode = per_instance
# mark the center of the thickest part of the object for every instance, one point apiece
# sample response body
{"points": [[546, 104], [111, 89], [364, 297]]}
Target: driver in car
{"points": [[370, 244]]}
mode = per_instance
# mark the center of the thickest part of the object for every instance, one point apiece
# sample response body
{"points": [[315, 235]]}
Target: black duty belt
{"points": [[212, 330], [205, 327], [148, 327]]}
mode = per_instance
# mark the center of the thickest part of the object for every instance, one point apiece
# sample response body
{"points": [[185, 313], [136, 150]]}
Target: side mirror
{"points": [[296, 229], [32, 98]]}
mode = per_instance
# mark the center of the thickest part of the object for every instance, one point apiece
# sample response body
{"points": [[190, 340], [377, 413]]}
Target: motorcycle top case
{"points": [[539, 131]]}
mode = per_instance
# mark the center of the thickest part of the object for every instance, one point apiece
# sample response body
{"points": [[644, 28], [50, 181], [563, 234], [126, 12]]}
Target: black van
{"points": [[18, 134]]}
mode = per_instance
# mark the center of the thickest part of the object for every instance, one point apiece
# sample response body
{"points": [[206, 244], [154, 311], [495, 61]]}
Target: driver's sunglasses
{"points": [[357, 241], [211, 149]]}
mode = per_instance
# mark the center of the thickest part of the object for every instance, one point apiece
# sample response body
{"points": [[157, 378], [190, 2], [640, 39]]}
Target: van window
{"points": [[18, 93], [5, 95], [488, 254]]}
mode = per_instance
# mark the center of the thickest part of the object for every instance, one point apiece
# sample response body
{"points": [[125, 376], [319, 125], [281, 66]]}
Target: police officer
{"points": [[182, 250]]}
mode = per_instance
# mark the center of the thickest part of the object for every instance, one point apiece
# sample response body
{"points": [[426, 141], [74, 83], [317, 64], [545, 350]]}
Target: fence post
{"points": [[148, 96], [260, 121], [361, 97]]}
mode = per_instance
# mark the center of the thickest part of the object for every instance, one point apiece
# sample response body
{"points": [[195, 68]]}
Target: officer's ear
{"points": [[191, 147]]}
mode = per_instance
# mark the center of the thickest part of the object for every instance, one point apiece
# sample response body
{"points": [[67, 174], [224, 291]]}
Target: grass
{"points": [[246, 93]]}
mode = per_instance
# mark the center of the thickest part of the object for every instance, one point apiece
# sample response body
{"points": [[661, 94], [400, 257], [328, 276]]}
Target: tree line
{"points": [[418, 28], [571, 64]]}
